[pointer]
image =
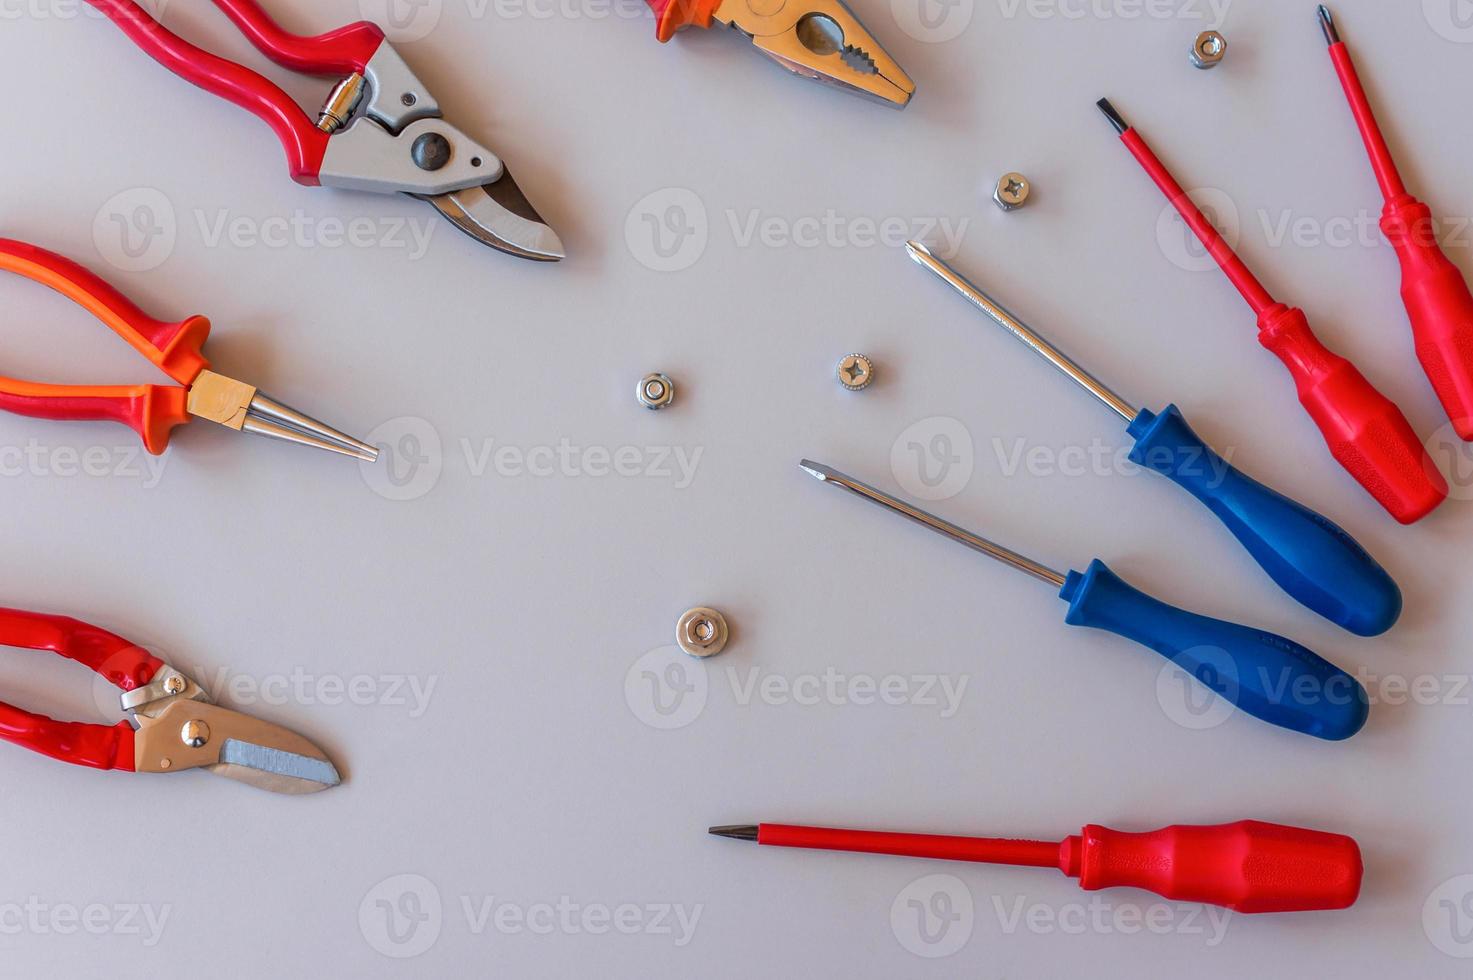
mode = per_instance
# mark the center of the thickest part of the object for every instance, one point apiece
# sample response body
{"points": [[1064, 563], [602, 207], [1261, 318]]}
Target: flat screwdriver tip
{"points": [[736, 831], [1327, 22], [1116, 119], [816, 470]]}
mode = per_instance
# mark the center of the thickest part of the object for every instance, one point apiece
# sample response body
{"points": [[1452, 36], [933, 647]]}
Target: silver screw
{"points": [[856, 372], [1012, 191], [194, 734], [655, 391], [174, 684], [1209, 49], [701, 632]]}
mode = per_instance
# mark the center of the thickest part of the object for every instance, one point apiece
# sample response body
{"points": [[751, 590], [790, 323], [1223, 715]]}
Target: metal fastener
{"points": [[175, 684], [194, 734], [1209, 49], [1012, 191], [655, 391], [701, 632], [856, 372]]}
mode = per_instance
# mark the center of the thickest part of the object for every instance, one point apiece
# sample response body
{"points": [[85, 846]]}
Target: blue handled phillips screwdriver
{"points": [[1265, 675], [1310, 557]]}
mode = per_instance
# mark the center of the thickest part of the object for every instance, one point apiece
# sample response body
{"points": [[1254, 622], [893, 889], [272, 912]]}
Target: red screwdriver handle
{"points": [[1247, 866], [1366, 432], [1440, 307], [1438, 300]]}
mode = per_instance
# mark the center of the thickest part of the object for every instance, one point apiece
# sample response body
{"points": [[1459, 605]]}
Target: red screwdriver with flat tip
{"points": [[1436, 294], [1247, 866], [1364, 429]]}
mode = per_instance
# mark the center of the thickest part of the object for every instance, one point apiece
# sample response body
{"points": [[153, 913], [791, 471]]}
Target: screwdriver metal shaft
{"points": [[833, 477], [1021, 330]]}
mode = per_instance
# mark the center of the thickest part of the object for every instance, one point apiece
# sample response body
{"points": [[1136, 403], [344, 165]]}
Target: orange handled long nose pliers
{"points": [[153, 410], [817, 39]]}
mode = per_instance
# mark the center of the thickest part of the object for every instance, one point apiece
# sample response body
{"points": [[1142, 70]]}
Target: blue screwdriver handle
{"points": [[1308, 555], [1269, 677]]}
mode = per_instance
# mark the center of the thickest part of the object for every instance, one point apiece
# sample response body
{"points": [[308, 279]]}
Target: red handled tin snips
{"points": [[174, 725], [380, 130]]}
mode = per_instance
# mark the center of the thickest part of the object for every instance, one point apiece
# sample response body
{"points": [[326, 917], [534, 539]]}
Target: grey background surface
{"points": [[526, 787]]}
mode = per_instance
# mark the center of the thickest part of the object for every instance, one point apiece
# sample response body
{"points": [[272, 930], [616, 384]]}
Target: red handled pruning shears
{"points": [[380, 130], [154, 410], [175, 726], [818, 39]]}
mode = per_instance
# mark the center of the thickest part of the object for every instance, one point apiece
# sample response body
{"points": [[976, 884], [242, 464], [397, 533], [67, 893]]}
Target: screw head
{"points": [[430, 152], [174, 684], [1209, 49], [194, 733], [655, 391], [856, 372], [1012, 191], [701, 632]]}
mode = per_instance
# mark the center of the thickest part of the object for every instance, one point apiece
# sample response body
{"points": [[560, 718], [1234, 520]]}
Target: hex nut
{"points": [[655, 391], [1209, 49], [701, 632], [856, 372], [1012, 191]]}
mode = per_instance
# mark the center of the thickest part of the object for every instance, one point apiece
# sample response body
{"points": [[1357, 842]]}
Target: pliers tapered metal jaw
{"points": [[817, 39], [821, 40]]}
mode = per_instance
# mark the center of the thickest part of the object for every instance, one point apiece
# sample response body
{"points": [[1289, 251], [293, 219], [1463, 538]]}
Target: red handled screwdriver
{"points": [[1437, 297], [1246, 866], [1366, 432]]}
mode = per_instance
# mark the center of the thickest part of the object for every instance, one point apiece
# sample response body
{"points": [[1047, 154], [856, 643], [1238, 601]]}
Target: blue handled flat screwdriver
{"points": [[1310, 557], [1267, 676]]}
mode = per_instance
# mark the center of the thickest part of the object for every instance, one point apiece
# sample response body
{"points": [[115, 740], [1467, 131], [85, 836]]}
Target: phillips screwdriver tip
{"points": [[735, 831], [1116, 119], [1327, 21]]}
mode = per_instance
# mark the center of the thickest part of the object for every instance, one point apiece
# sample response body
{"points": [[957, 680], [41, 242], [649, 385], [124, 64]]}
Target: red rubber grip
{"points": [[1438, 301], [341, 52], [1440, 307], [1248, 866], [124, 665], [150, 410], [673, 15], [1365, 431]]}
